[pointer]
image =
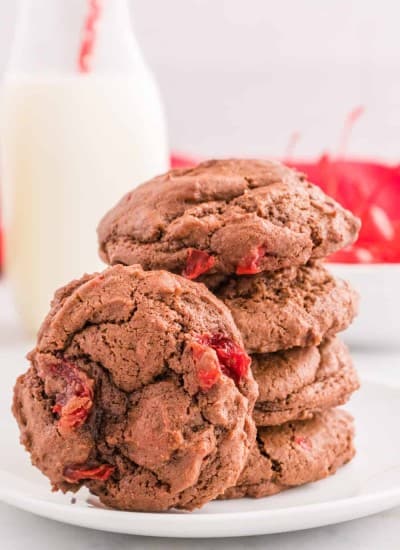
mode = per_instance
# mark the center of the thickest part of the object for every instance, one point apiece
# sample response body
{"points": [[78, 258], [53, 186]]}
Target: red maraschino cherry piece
{"points": [[250, 265], [233, 360], [208, 378], [303, 442], [89, 36], [208, 370], [74, 404], [74, 413], [76, 473], [197, 263]]}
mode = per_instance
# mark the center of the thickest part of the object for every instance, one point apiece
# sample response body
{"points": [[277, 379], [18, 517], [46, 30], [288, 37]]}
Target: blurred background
{"points": [[240, 77]]}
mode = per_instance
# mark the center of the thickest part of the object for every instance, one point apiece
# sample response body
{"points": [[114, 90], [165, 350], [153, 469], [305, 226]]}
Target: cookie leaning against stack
{"points": [[255, 232], [140, 390]]}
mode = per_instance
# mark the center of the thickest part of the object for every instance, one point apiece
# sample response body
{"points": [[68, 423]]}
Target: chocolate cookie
{"points": [[296, 453], [297, 383], [140, 390], [288, 308], [225, 217]]}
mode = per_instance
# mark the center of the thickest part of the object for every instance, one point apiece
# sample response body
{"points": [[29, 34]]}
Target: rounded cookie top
{"points": [[288, 308], [225, 217], [139, 389], [296, 383], [296, 453]]}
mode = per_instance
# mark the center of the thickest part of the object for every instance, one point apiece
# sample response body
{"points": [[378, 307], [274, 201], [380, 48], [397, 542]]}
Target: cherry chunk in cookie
{"points": [[225, 217], [139, 388]]}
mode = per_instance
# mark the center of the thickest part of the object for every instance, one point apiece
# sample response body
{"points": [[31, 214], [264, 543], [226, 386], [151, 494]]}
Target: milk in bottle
{"points": [[81, 124]]}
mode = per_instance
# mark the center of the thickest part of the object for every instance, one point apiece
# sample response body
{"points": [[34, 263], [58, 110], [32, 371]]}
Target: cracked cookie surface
{"points": [[296, 453], [288, 308], [138, 389], [225, 217], [297, 383]]}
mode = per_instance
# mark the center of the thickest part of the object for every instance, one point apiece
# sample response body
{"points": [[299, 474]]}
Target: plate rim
{"points": [[169, 524]]}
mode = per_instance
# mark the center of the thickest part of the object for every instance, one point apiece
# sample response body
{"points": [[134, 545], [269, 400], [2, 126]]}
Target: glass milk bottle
{"points": [[81, 124]]}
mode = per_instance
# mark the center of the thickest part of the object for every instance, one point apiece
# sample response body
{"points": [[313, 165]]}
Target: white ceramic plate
{"points": [[371, 483]]}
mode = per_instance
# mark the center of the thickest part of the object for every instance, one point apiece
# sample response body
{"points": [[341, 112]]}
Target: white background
{"points": [[240, 76]]}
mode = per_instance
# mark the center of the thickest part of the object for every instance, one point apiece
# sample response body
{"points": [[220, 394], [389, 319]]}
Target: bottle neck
{"points": [[74, 36]]}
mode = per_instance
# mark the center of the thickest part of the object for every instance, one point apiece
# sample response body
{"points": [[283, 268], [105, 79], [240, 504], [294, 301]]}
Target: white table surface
{"points": [[19, 529]]}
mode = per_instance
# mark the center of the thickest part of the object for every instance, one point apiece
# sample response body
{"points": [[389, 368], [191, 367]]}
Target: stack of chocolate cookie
{"points": [[156, 392], [255, 233]]}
